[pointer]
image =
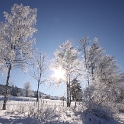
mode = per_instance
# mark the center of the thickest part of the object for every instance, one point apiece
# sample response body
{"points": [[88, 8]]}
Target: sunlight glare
{"points": [[59, 73]]}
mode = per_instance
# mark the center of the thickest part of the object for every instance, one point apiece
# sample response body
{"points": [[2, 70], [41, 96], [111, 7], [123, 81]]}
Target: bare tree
{"points": [[16, 43], [38, 70]]}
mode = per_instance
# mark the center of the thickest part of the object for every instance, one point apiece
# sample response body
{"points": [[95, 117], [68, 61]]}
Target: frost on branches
{"points": [[104, 76], [16, 43], [38, 70], [67, 59]]}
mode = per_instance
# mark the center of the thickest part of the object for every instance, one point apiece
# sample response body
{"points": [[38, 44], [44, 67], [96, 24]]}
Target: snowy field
{"points": [[21, 110]]}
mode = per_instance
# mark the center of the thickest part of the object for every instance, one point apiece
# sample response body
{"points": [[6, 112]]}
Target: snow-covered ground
{"points": [[21, 110]]}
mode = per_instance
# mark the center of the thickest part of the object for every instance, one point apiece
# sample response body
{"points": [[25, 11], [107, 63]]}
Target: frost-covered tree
{"points": [[66, 59], [27, 89], [91, 52], [90, 55], [38, 70], [108, 80], [83, 49], [104, 75], [16, 43], [95, 52]]}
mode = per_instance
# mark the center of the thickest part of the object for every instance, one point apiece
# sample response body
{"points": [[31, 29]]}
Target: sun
{"points": [[59, 73]]}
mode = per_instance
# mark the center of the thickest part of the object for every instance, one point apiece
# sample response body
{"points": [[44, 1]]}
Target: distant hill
{"points": [[15, 91]]}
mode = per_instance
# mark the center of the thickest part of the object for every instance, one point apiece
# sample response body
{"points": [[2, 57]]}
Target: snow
{"points": [[121, 115], [22, 110]]}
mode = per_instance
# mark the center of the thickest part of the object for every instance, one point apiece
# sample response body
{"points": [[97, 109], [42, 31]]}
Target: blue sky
{"points": [[61, 20]]}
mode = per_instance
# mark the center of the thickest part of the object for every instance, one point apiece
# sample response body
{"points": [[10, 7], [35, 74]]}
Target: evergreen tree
{"points": [[14, 90], [76, 90]]}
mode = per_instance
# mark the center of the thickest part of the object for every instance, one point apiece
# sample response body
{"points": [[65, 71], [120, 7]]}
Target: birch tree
{"points": [[16, 42], [90, 56], [104, 76], [67, 59], [83, 49], [91, 52]]}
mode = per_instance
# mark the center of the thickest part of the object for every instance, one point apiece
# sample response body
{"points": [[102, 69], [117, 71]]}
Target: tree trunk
{"points": [[37, 101], [70, 92], [75, 103], [26, 93], [68, 96], [6, 88], [38, 93], [63, 101]]}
